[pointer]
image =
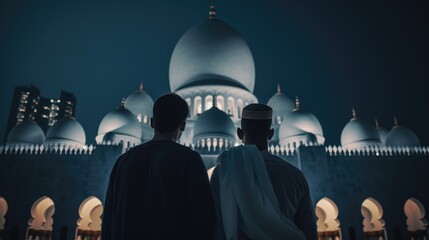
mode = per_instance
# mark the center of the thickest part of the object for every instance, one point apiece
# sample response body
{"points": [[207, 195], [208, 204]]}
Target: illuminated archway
{"points": [[40, 223], [373, 223], [416, 222], [89, 223], [3, 211], [328, 226]]}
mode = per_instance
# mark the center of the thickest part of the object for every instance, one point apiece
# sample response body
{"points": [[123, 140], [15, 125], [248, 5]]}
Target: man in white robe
{"points": [[258, 195]]}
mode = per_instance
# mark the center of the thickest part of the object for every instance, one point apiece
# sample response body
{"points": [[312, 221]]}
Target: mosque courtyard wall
{"points": [[346, 179]]}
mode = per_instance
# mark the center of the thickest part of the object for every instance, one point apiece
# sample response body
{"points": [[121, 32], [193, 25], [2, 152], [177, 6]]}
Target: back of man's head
{"points": [[256, 120], [169, 112]]}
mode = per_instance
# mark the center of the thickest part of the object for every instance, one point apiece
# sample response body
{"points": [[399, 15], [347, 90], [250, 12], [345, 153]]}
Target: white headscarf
{"points": [[247, 198]]}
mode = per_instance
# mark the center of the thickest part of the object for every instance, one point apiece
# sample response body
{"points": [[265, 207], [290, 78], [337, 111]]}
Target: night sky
{"points": [[373, 55]]}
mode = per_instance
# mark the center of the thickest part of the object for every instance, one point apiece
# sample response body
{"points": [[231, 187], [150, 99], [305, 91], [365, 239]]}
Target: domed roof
{"points": [[401, 136], [280, 103], [27, 132], [299, 123], [139, 102], [120, 121], [214, 123], [68, 131], [358, 133], [212, 53]]}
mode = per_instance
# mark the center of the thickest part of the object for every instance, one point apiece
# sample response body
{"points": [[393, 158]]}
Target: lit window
{"points": [[220, 102], [139, 117], [209, 102], [145, 119], [279, 120]]}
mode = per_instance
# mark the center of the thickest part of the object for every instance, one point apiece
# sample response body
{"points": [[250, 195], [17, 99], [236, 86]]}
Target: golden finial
{"points": [[353, 113], [212, 12], [141, 87], [395, 121], [376, 123], [279, 90], [123, 102], [297, 103]]}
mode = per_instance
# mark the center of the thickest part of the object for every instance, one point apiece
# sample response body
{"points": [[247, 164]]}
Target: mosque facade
{"points": [[373, 186]]}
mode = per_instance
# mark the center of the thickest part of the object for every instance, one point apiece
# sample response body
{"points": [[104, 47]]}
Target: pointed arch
{"points": [[198, 108], [3, 211], [416, 222], [328, 225], [40, 223], [89, 222], [373, 223]]}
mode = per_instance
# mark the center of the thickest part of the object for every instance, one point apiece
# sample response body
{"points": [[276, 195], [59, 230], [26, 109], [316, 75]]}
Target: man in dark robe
{"points": [[258, 195], [160, 189]]}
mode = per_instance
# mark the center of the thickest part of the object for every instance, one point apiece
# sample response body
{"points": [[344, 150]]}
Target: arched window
{"points": [[145, 119], [208, 102], [139, 117], [40, 223], [89, 223], [220, 103], [279, 120], [3, 211], [328, 226], [239, 107], [416, 222], [373, 223], [230, 107], [198, 109]]}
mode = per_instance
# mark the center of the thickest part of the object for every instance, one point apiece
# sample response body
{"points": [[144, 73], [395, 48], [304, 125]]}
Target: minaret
{"points": [[353, 113], [377, 125], [122, 103], [395, 121], [297, 103], [212, 12], [279, 91]]}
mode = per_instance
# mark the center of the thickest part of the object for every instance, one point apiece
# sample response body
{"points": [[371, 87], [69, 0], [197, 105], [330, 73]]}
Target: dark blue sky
{"points": [[373, 55]]}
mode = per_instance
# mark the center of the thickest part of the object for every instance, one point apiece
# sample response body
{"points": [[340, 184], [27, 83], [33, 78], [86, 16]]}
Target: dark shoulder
{"points": [[280, 164], [165, 146]]}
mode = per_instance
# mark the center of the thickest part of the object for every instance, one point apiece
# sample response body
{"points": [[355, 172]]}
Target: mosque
{"points": [[373, 186]]}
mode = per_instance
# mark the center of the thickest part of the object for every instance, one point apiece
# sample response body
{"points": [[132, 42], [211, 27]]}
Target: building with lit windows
{"points": [[52, 183], [28, 104]]}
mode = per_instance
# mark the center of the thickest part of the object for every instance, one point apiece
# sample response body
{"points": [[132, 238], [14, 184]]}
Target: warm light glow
{"points": [[210, 172]]}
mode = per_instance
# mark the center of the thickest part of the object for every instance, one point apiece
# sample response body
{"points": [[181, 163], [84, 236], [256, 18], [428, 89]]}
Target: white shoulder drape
{"points": [[247, 198]]}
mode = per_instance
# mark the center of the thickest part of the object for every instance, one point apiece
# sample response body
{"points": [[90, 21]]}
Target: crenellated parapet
{"points": [[378, 151], [46, 149]]}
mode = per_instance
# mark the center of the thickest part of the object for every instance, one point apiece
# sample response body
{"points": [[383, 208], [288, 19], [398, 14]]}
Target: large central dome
{"points": [[212, 53]]}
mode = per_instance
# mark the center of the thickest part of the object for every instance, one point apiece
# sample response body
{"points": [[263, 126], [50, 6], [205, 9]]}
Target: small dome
{"points": [[401, 136], [281, 104], [120, 121], [297, 124], [27, 132], [212, 53], [140, 104], [66, 131], [358, 134], [109, 138], [214, 123]]}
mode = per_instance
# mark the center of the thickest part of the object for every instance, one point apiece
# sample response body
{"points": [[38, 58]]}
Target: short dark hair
{"points": [[256, 128], [169, 111]]}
